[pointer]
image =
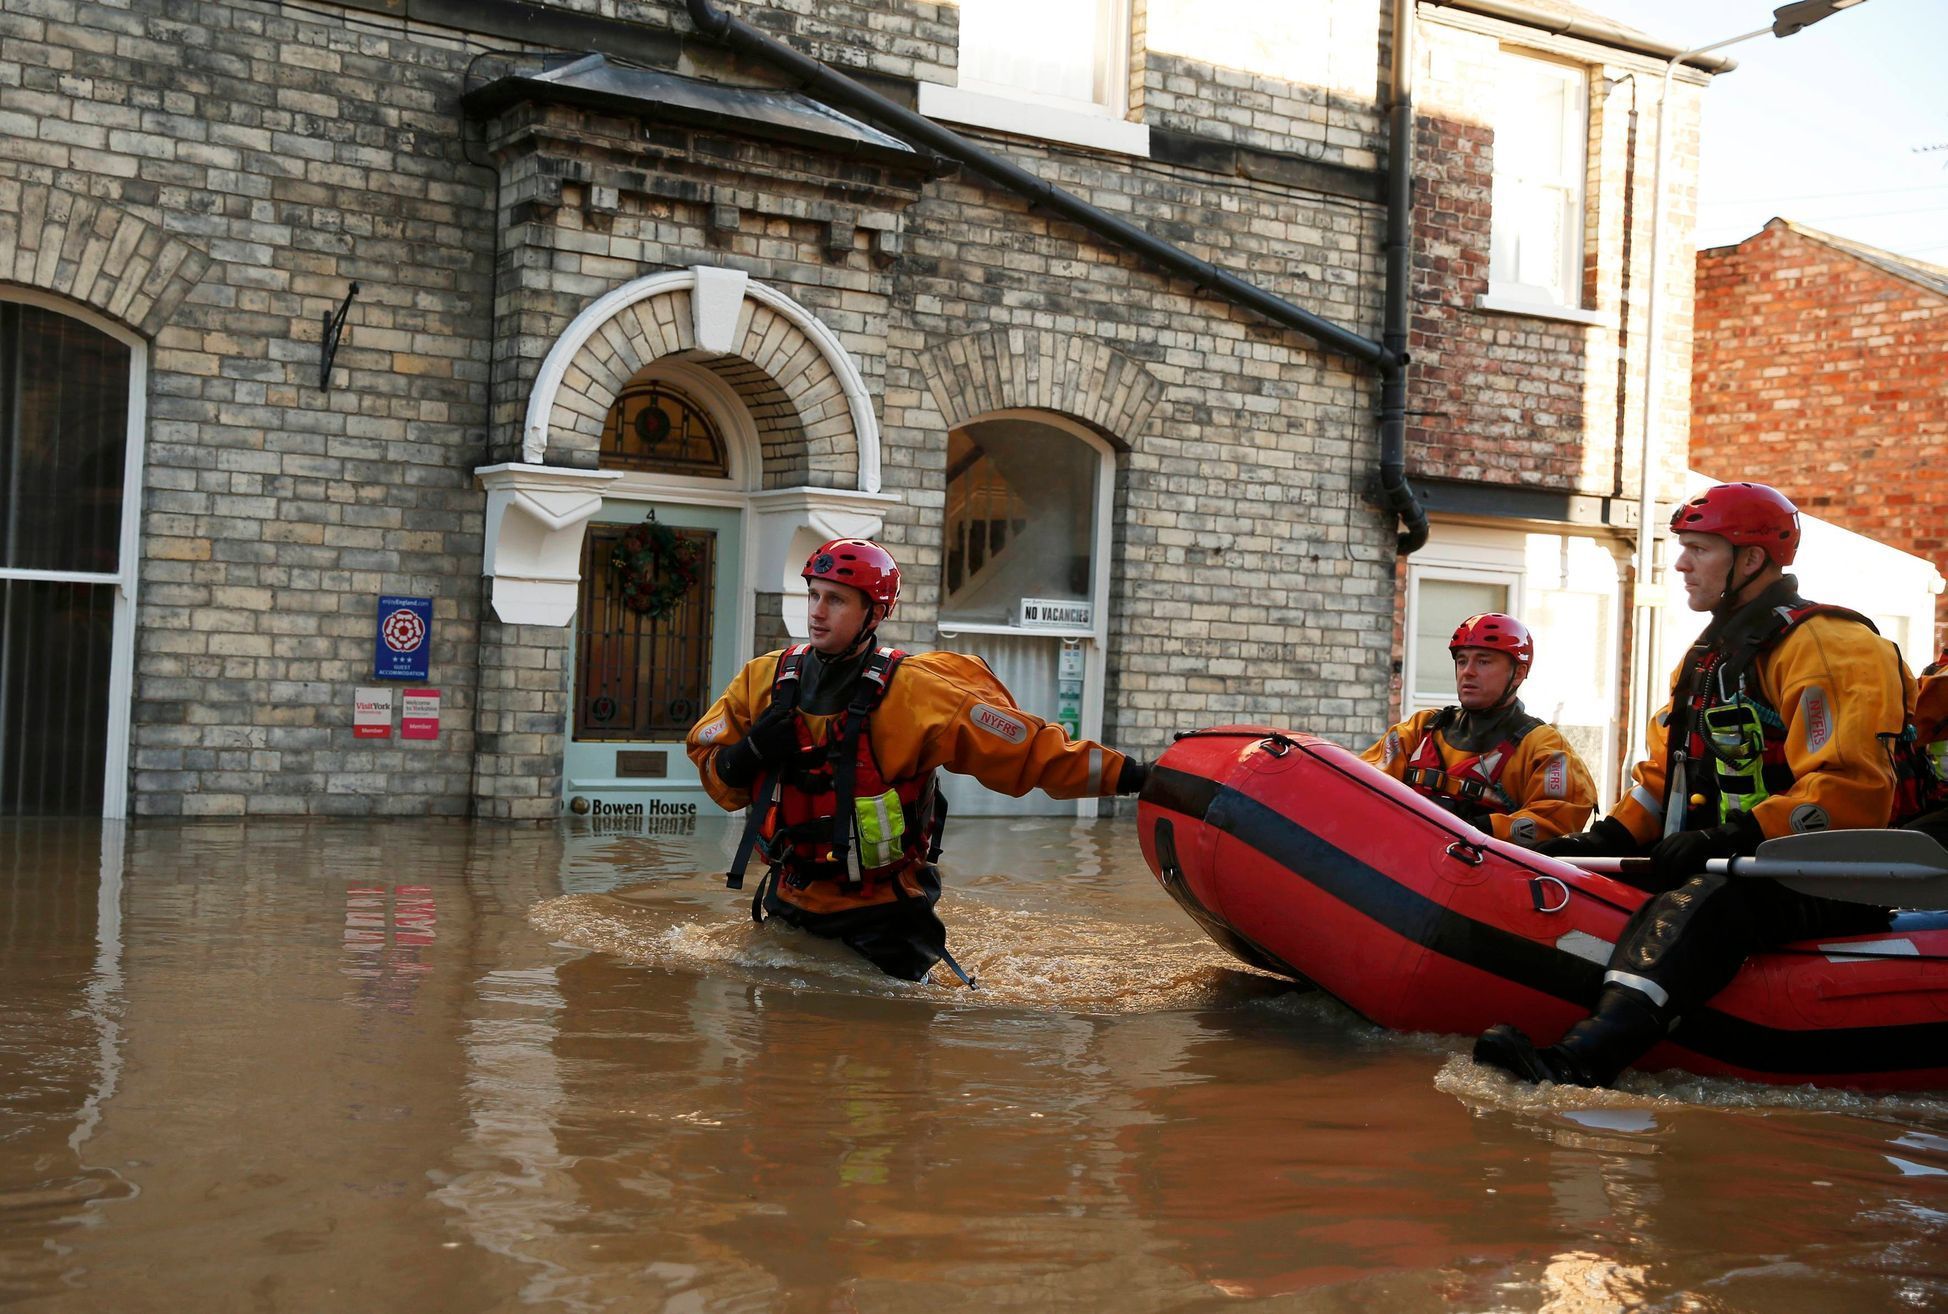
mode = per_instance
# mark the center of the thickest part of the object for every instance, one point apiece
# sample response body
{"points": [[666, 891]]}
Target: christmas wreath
{"points": [[656, 568]]}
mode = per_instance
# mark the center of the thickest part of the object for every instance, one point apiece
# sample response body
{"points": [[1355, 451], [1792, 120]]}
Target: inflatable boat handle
{"points": [[1887, 868], [1278, 743], [1543, 905]]}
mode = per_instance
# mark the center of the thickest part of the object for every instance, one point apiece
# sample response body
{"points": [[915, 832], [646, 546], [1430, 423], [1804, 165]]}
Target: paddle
{"points": [[1891, 868]]}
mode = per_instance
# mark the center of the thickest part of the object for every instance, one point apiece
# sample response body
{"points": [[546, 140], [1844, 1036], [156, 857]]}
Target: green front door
{"points": [[656, 640]]}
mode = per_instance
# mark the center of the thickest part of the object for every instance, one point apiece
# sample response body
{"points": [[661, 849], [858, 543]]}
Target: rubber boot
{"points": [[1622, 1030]]}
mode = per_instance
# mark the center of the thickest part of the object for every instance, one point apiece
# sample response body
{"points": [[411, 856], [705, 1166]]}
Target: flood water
{"points": [[435, 1066]]}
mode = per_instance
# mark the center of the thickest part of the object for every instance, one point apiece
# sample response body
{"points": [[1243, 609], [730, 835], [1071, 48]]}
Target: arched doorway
{"points": [[662, 621], [71, 392], [802, 443], [1025, 575]]}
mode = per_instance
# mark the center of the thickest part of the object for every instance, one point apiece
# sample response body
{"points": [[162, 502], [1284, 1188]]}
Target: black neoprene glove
{"points": [[1131, 777], [1675, 859], [1608, 838], [773, 738]]}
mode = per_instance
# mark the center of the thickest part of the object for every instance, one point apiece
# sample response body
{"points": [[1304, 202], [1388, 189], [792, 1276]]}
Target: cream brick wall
{"points": [[215, 176]]}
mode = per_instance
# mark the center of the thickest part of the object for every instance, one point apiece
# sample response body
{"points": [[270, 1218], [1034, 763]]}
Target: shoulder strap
{"points": [[1798, 611], [1781, 621], [1515, 729], [867, 695], [1520, 728], [764, 790], [1832, 609], [787, 682], [1424, 754]]}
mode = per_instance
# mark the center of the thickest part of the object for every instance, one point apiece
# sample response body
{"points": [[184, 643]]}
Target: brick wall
{"points": [[1250, 582], [904, 40], [215, 176], [1251, 565], [1826, 376], [1250, 562], [1526, 399], [1297, 77], [1552, 405], [263, 158]]}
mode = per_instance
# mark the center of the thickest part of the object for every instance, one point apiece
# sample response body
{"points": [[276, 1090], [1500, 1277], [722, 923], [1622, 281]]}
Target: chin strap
{"points": [[868, 636], [1506, 701], [1728, 599]]}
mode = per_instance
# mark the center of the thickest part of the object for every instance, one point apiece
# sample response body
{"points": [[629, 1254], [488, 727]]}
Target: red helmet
{"points": [[1497, 633], [1745, 515], [864, 565]]}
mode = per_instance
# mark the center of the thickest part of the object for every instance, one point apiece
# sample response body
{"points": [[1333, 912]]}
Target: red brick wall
{"points": [[1827, 378], [1529, 400], [1503, 394]]}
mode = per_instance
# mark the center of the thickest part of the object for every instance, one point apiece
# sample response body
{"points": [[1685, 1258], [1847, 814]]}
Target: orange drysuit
{"points": [[941, 710], [1543, 789], [1842, 692]]}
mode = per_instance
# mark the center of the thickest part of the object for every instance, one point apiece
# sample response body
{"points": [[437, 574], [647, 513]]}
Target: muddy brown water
{"points": [[442, 1067]]}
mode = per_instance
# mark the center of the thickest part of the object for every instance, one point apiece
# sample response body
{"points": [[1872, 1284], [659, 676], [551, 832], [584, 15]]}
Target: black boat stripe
{"points": [[1163, 840], [1376, 895]]}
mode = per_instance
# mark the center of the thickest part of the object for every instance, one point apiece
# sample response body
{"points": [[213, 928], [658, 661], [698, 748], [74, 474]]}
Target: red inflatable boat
{"points": [[1301, 859]]}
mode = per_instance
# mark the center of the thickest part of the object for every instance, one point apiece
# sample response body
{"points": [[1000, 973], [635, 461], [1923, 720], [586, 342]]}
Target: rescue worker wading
{"points": [[1785, 717], [834, 744], [1487, 760]]}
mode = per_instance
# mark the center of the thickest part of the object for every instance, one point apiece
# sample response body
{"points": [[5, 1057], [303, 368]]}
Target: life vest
{"points": [[1472, 787], [1738, 739], [830, 813]]}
